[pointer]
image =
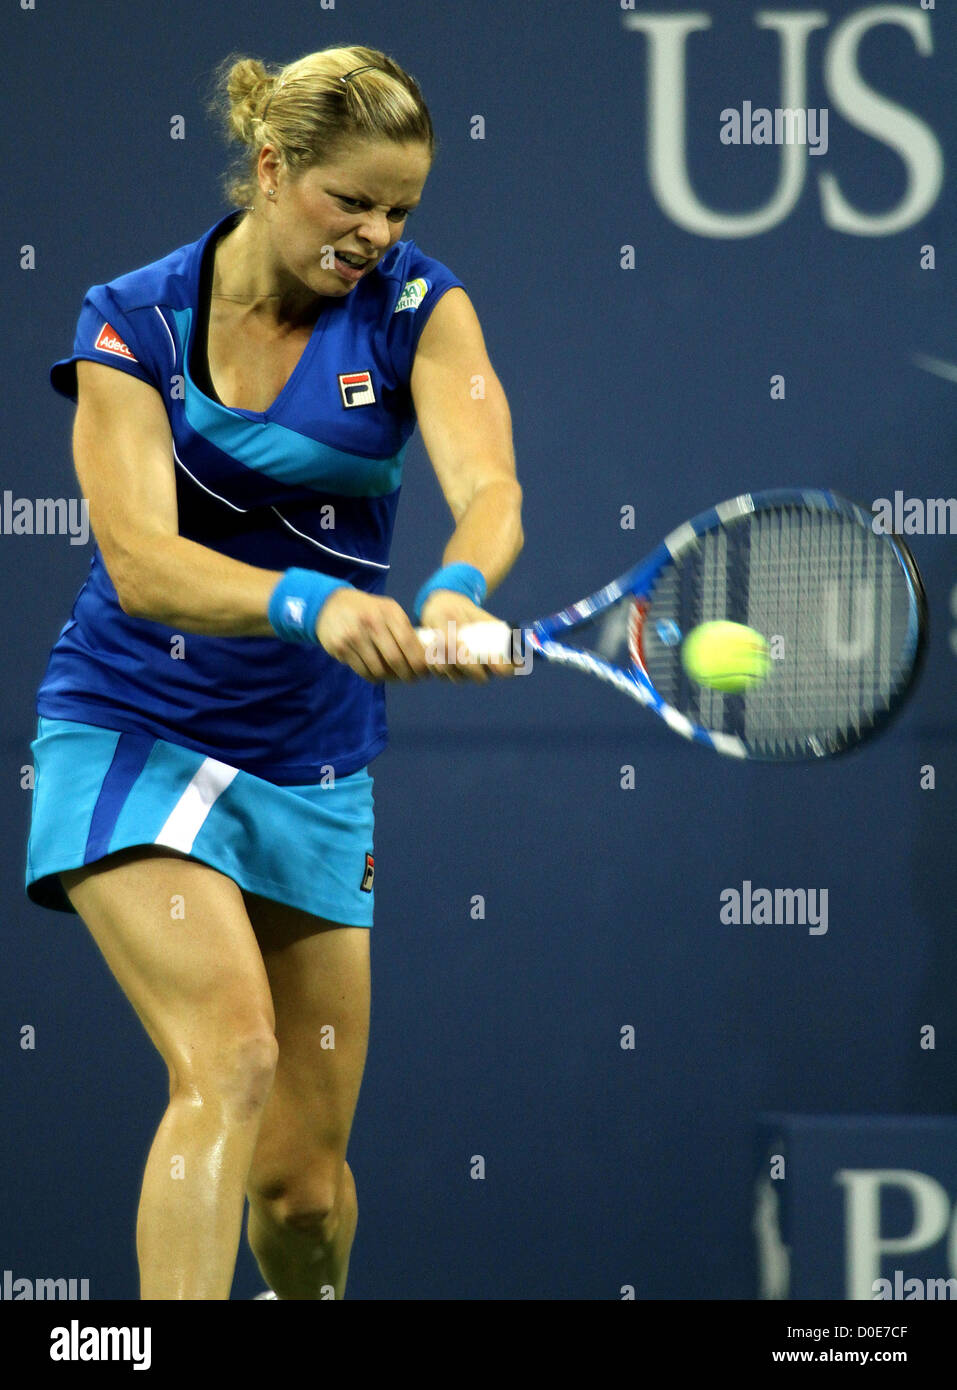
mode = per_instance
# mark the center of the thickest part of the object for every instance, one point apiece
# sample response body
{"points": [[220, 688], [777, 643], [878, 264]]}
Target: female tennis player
{"points": [[202, 797]]}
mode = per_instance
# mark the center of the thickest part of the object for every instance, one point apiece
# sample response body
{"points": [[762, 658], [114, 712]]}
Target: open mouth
{"points": [[357, 262]]}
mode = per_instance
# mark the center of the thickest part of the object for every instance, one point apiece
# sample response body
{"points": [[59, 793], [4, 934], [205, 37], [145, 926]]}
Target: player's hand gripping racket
{"points": [[842, 607]]}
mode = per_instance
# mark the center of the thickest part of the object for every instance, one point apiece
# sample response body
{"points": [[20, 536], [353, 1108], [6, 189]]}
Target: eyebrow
{"points": [[364, 198]]}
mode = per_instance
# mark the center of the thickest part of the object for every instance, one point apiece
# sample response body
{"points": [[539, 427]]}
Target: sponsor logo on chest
{"points": [[356, 388]]}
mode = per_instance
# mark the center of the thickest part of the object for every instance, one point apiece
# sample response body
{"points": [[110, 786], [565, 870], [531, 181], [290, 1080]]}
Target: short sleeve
{"points": [[425, 282], [108, 334]]}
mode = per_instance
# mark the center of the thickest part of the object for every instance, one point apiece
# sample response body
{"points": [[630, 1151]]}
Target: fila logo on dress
{"points": [[355, 388]]}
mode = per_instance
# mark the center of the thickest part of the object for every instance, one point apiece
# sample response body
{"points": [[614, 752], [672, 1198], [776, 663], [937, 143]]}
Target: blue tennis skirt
{"points": [[96, 791]]}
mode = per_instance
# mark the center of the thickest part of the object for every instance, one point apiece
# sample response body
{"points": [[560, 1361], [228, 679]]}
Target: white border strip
{"points": [[188, 816]]}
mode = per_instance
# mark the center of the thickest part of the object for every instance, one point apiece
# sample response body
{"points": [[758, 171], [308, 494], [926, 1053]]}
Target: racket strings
{"points": [[832, 599]]}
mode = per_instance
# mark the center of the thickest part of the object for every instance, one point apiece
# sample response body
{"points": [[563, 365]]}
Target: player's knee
{"points": [[316, 1222], [317, 1209], [236, 1071]]}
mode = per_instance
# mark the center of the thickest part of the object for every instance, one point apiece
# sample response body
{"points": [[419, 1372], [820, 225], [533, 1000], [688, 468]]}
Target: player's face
{"points": [[356, 204]]}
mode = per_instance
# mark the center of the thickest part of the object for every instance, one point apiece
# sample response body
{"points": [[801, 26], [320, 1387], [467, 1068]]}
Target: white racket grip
{"points": [[478, 642]]}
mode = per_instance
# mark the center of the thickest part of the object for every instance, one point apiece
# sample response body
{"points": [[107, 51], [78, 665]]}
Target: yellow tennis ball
{"points": [[726, 656]]}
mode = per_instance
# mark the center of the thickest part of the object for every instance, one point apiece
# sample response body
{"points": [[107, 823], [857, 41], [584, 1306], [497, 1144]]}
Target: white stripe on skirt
{"points": [[188, 816]]}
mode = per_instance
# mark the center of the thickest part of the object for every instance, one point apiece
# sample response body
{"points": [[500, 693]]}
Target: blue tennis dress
{"points": [[248, 753]]}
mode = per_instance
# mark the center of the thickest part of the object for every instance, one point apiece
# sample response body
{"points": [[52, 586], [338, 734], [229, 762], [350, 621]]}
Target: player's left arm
{"points": [[466, 427]]}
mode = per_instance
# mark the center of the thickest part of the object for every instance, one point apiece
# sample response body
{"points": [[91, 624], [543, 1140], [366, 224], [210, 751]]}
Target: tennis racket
{"points": [[806, 567]]}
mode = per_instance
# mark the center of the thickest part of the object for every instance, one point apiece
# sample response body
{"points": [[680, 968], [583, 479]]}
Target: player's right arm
{"points": [[123, 454]]}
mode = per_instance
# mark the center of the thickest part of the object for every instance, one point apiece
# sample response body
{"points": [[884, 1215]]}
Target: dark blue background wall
{"points": [[647, 386]]}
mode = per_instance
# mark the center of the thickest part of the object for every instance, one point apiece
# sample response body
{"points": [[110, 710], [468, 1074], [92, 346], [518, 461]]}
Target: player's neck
{"points": [[246, 275]]}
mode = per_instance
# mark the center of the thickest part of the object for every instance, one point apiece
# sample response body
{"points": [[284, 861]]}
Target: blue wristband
{"points": [[296, 601], [464, 579]]}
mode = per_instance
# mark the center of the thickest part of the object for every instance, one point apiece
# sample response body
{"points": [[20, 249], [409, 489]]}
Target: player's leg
{"points": [[302, 1197], [176, 936]]}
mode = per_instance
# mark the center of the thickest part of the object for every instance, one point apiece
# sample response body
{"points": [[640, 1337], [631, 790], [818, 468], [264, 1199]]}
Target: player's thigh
{"points": [[177, 938], [319, 978]]}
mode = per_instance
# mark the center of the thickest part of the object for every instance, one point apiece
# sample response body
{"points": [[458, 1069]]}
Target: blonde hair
{"points": [[308, 114]]}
